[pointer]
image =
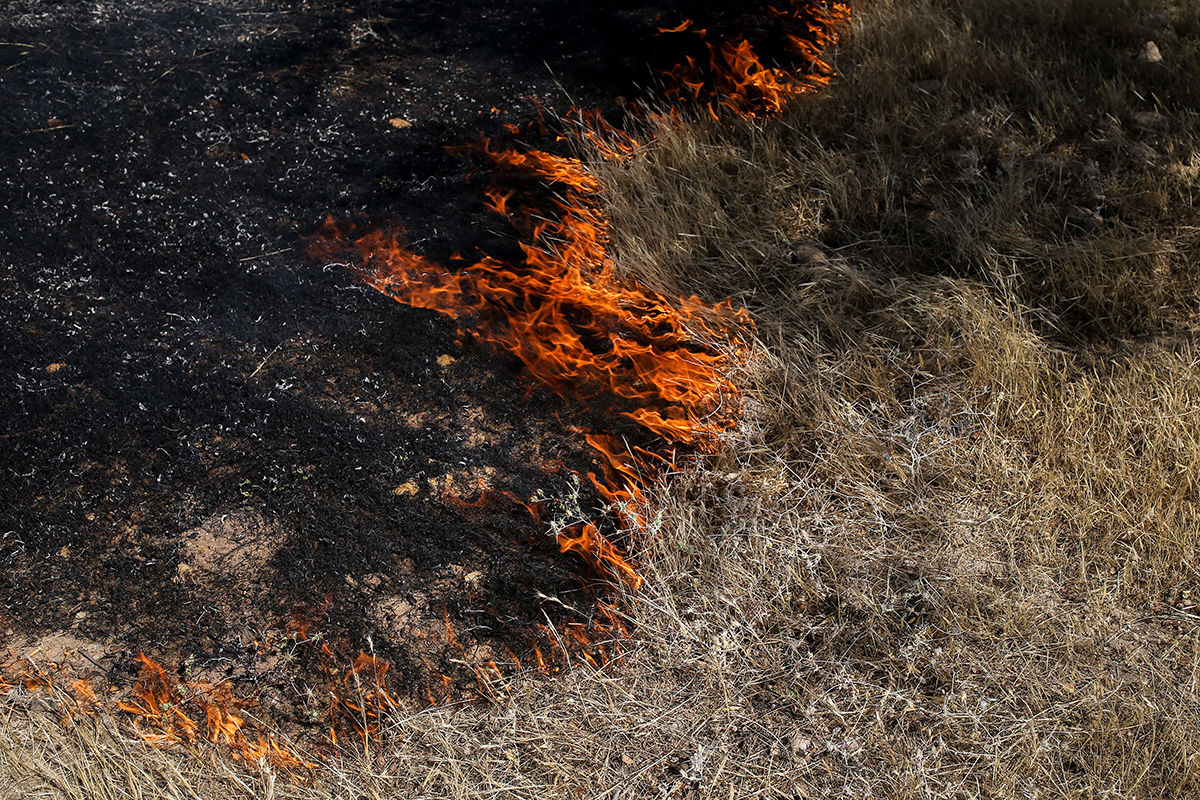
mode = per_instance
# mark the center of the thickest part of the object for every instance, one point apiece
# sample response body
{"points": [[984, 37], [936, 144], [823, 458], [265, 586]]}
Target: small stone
{"points": [[1149, 120], [445, 360], [406, 488], [1150, 53], [1144, 152], [1084, 219], [399, 123], [55, 367], [64, 551], [808, 255], [1160, 22]]}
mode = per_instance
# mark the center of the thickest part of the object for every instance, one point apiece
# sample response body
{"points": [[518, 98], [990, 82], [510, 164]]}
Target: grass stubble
{"points": [[952, 550]]}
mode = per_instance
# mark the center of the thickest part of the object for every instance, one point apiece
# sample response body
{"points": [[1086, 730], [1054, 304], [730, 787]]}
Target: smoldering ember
{"points": [[226, 455]]}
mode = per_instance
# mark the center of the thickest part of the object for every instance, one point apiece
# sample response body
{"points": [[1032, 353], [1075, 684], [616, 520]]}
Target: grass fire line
{"points": [[953, 547], [577, 329], [580, 330]]}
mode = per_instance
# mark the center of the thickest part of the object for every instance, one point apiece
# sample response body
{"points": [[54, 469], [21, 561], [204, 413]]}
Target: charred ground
{"points": [[209, 443]]}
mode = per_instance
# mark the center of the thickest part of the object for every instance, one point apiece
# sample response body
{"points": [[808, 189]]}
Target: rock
{"points": [[1144, 152], [808, 255], [1149, 120], [1083, 220], [1150, 53], [1155, 22], [399, 123]]}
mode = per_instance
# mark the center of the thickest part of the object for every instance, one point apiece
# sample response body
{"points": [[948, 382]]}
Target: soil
{"points": [[213, 450]]}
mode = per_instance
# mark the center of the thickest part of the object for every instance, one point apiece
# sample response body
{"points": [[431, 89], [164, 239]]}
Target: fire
{"points": [[578, 329], [357, 695], [51, 682], [165, 711], [657, 364], [154, 699], [362, 700], [561, 309], [172, 710], [732, 74]]}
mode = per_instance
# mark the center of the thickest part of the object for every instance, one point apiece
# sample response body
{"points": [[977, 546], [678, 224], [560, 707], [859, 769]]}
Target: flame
{"points": [[358, 697], [163, 705], [154, 699], [680, 28], [364, 700], [581, 331], [50, 681], [657, 365], [560, 309], [733, 76], [578, 329]]}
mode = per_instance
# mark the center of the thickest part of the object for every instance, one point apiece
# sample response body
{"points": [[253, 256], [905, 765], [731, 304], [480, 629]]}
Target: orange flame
{"points": [[160, 702], [47, 680], [736, 78], [155, 700], [363, 699], [579, 330]]}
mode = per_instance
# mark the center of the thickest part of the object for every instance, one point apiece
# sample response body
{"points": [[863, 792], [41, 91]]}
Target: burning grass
{"points": [[736, 76], [610, 344], [949, 549]]}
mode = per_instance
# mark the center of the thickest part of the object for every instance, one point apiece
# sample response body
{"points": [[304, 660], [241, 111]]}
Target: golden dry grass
{"points": [[951, 551]]}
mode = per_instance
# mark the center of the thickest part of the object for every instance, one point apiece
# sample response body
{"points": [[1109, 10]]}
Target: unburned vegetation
{"points": [[950, 550]]}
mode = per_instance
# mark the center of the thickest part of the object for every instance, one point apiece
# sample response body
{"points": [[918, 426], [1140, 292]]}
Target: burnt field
{"points": [[221, 453]]}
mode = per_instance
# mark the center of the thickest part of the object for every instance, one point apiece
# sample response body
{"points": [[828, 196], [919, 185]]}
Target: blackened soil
{"points": [[212, 450]]}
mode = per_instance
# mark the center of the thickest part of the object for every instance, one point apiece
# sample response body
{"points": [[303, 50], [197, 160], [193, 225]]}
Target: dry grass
{"points": [[950, 552]]}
